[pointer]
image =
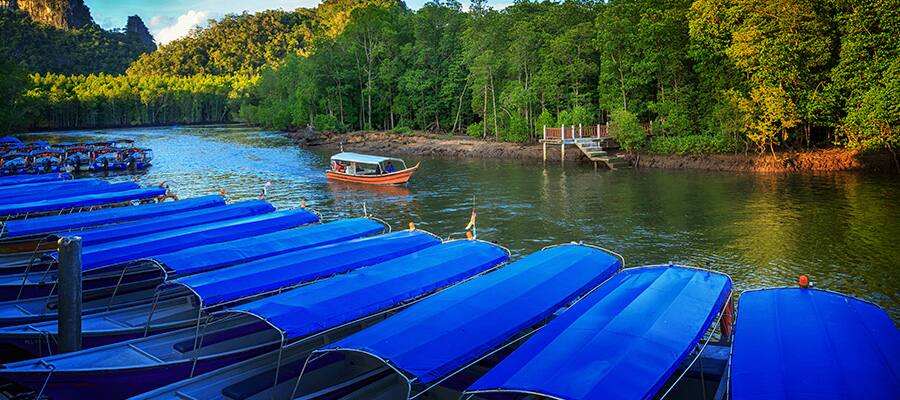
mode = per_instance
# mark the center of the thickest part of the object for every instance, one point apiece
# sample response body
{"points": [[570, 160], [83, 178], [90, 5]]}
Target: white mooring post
{"points": [[562, 145], [580, 134], [598, 131], [545, 144]]}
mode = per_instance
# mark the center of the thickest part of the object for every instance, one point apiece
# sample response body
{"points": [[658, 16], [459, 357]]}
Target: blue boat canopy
{"points": [[441, 334], [59, 223], [793, 343], [69, 191], [148, 246], [23, 179], [213, 256], [81, 201], [623, 341], [168, 223], [9, 139], [288, 269], [332, 302], [47, 188]]}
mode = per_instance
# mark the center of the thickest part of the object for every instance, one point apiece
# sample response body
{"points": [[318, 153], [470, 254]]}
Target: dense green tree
{"points": [[42, 48]]}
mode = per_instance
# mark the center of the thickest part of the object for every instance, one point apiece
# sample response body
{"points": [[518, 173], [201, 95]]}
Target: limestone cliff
{"points": [[62, 14], [137, 29]]}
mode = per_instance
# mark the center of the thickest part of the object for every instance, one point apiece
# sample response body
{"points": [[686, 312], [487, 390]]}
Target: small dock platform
{"points": [[593, 141]]}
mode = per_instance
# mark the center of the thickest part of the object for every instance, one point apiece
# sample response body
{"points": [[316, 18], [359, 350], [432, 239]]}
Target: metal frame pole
{"points": [[69, 281]]}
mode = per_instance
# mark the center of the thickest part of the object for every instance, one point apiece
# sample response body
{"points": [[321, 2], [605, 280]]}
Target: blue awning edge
{"points": [[431, 340], [624, 340], [334, 301], [795, 343]]}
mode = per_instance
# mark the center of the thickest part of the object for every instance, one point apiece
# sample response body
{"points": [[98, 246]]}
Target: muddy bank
{"points": [[439, 146], [464, 147], [831, 160]]}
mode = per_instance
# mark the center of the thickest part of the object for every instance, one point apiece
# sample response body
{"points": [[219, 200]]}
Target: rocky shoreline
{"points": [[443, 146]]}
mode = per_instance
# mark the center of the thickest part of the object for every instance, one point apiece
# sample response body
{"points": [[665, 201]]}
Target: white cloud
{"points": [[157, 22], [180, 28]]}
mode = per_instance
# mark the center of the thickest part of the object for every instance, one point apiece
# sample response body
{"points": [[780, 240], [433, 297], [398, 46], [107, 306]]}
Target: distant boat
{"points": [[373, 170]]}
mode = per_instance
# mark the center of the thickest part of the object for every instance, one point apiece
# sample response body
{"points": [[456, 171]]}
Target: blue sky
{"points": [[171, 19]]}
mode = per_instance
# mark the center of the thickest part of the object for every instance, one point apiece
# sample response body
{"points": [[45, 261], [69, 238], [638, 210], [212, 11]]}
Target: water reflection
{"points": [[761, 229]]}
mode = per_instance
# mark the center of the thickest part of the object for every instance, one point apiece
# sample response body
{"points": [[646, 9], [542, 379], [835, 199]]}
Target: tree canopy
{"points": [[711, 75]]}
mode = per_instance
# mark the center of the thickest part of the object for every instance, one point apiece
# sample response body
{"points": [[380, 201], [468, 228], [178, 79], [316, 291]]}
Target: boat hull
{"points": [[394, 178], [120, 383]]}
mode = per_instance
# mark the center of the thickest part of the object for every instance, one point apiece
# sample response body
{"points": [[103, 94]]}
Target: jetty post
{"points": [[544, 142], [562, 145], [69, 316]]}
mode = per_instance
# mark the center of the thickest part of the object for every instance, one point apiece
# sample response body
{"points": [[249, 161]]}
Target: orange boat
{"points": [[373, 170]]}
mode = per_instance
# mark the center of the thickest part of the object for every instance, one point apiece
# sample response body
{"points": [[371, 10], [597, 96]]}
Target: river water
{"points": [[843, 230]]}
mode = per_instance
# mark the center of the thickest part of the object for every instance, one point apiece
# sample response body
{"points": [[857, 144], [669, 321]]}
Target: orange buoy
{"points": [[469, 235], [804, 281], [412, 226]]}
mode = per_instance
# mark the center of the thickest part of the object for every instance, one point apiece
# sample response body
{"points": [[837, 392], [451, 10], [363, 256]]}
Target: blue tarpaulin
{"points": [[344, 298], [443, 333], [794, 343], [46, 189], [81, 201], [289, 269], [25, 179], [58, 223], [9, 139], [212, 256], [623, 341], [93, 257], [63, 192], [171, 222]]}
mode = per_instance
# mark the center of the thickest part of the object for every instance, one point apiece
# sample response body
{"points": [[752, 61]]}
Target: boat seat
{"points": [[259, 382], [186, 346]]}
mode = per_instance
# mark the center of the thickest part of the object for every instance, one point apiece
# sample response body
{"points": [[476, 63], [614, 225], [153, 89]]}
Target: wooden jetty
{"points": [[593, 141]]}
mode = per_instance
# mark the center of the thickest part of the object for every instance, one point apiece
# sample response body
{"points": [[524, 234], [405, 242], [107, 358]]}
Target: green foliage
{"points": [[627, 130], [14, 82], [236, 44], [60, 101], [87, 50], [402, 130], [475, 130], [325, 123], [544, 120], [691, 144], [712, 75], [515, 131]]}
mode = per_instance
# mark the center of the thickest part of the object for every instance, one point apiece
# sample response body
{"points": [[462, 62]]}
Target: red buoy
{"points": [[804, 281]]}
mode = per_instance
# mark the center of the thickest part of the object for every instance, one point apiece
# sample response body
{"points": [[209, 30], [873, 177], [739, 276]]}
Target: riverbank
{"points": [[444, 146]]}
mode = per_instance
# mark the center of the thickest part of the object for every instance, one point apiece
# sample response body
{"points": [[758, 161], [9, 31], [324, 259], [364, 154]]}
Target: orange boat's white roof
{"points": [[362, 158]]}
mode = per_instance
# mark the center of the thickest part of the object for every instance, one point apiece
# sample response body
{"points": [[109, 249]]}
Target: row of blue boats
{"points": [[17, 157], [204, 299]]}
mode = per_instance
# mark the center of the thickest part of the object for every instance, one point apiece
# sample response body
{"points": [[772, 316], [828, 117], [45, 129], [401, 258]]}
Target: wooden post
{"points": [[69, 281], [545, 143], [562, 146]]}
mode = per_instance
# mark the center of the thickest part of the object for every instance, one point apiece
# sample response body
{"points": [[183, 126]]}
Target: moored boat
{"points": [[412, 353], [373, 170], [804, 343], [336, 306], [107, 264], [105, 159], [645, 327], [135, 158], [127, 368], [78, 158], [14, 162], [46, 161]]}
